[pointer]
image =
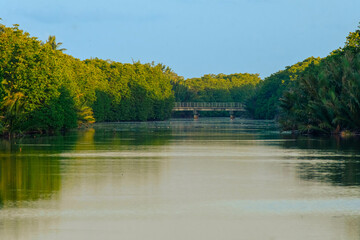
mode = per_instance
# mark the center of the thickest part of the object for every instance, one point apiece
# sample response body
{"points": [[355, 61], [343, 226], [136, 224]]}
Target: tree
{"points": [[264, 104], [326, 96], [12, 108], [54, 45]]}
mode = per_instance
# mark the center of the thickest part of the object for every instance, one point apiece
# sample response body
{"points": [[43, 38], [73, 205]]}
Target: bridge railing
{"points": [[208, 105]]}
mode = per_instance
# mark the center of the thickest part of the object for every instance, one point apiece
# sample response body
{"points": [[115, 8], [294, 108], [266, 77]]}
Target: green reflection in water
{"points": [[333, 160], [32, 168], [153, 133], [128, 155], [114, 179], [29, 170], [28, 178]]}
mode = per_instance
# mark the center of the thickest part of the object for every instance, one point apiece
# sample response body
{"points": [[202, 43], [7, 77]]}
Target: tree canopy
{"points": [[264, 103], [216, 88], [326, 97], [44, 89]]}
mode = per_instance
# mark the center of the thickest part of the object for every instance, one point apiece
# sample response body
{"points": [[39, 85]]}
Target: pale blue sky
{"points": [[193, 37]]}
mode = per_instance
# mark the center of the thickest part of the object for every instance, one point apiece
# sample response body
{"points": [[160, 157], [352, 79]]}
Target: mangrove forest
{"points": [[45, 90]]}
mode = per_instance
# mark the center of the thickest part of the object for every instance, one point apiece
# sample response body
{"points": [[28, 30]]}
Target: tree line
{"points": [[326, 97], [216, 88], [315, 96], [238, 87], [45, 90]]}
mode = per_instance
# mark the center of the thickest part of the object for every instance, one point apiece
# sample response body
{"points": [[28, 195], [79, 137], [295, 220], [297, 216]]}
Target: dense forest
{"points": [[216, 88], [238, 87], [265, 102], [44, 90], [325, 99], [315, 96]]}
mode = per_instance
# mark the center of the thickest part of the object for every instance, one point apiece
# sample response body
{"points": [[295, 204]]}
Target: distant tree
{"points": [[264, 104], [54, 45], [216, 88]]}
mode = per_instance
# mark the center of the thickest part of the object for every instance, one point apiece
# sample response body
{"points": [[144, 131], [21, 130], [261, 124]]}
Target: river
{"points": [[182, 179]]}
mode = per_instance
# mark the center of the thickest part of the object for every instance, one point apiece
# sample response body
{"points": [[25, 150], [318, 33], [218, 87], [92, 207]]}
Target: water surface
{"points": [[180, 179]]}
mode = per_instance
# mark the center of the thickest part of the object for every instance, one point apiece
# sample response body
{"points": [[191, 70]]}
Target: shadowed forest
{"points": [[45, 90]]}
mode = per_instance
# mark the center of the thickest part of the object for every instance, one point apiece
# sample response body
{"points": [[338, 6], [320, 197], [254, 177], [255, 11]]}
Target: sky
{"points": [[192, 37]]}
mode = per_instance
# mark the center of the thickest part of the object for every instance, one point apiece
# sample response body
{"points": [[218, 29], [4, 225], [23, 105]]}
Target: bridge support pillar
{"points": [[232, 115], [196, 114]]}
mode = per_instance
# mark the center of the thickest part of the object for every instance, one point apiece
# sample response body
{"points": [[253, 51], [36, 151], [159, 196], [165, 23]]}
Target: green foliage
{"points": [[236, 87], [102, 106], [59, 114], [353, 39], [326, 97], [43, 89], [137, 92], [54, 45], [12, 108], [215, 88], [264, 104]]}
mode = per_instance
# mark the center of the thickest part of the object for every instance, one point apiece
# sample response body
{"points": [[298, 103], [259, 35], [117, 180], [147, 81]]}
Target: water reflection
{"points": [[180, 179], [28, 178], [124, 158], [338, 171], [28, 169], [333, 160]]}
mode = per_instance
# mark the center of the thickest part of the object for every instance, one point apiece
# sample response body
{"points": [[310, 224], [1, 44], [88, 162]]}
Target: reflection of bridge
{"points": [[230, 107]]}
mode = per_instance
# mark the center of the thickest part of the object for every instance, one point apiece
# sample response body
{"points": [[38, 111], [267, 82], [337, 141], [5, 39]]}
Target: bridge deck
{"points": [[208, 106]]}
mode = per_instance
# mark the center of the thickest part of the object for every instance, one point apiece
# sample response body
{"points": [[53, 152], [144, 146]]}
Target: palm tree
{"points": [[54, 45], [13, 107]]}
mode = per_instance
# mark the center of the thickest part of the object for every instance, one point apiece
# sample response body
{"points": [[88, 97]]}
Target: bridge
{"points": [[195, 107]]}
